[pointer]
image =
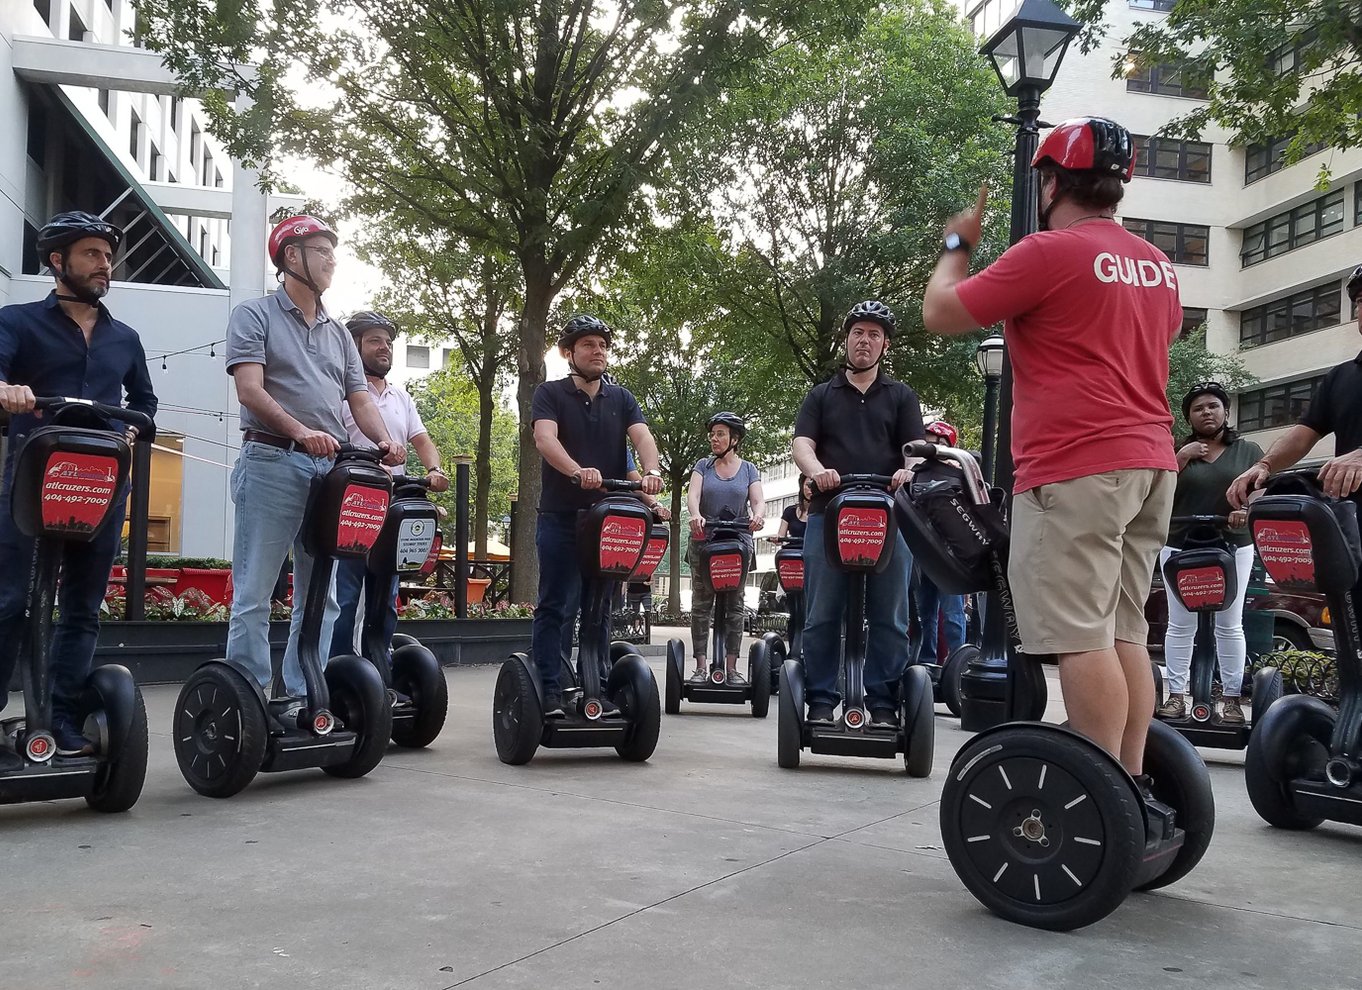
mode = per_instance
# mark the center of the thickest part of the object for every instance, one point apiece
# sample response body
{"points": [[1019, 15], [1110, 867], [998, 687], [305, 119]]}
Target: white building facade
{"points": [[98, 124]]}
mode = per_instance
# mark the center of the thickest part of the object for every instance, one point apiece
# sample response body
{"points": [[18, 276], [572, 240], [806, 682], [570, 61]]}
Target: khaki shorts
{"points": [[1082, 558]]}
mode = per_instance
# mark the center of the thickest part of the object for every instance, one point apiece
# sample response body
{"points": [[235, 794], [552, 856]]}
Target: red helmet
{"points": [[296, 229], [1089, 144], [944, 430]]}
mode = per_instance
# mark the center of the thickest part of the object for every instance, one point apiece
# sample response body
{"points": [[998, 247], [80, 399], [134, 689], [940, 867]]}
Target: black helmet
{"points": [[367, 318], [582, 326], [1204, 388], [66, 228], [874, 311], [1355, 284], [737, 429]]}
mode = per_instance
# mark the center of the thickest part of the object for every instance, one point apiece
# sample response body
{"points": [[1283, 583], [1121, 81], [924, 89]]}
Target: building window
{"points": [[1167, 80], [1287, 59], [170, 176], [1276, 405], [44, 9], [217, 179], [1184, 243], [104, 102], [216, 255], [1285, 232], [154, 165], [1192, 319], [448, 357], [1163, 5], [76, 29], [1357, 204], [37, 133], [195, 147], [1261, 160], [203, 242], [1167, 158], [1298, 313], [418, 356], [134, 135]]}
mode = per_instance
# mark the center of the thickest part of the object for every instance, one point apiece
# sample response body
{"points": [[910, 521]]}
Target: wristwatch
{"points": [[954, 242], [654, 473], [435, 470]]}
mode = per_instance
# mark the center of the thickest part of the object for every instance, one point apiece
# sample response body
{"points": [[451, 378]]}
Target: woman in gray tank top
{"points": [[721, 486]]}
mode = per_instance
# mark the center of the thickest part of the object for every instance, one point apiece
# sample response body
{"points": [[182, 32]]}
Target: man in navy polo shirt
{"points": [[581, 424], [65, 345]]}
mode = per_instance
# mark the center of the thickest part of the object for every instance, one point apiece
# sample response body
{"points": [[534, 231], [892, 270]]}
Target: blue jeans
{"points": [[561, 594], [270, 489], [352, 574], [84, 579], [930, 600], [886, 607]]}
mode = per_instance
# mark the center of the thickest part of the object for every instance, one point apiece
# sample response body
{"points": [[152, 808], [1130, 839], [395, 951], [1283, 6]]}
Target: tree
{"points": [[527, 127], [1189, 362], [1292, 68]]}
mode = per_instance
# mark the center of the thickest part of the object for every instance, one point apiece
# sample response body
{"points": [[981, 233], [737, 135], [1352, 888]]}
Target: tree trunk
{"points": [[482, 465], [530, 364]]}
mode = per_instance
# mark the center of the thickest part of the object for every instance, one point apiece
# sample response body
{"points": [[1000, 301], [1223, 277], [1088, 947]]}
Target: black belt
{"points": [[269, 439]]}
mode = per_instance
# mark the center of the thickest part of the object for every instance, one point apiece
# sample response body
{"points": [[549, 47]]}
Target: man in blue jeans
{"points": [[581, 424], [857, 423], [934, 608], [293, 364], [66, 345]]}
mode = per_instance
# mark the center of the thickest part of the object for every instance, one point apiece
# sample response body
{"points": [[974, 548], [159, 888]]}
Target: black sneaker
{"points": [[553, 705], [821, 713], [70, 742], [608, 707], [1145, 783], [884, 718]]}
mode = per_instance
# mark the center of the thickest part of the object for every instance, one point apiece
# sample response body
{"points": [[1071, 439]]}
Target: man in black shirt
{"points": [[1336, 408], [581, 423], [857, 423]]}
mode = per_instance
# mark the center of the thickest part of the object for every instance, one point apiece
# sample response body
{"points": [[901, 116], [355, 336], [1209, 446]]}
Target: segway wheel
{"points": [[1291, 740], [633, 687], [1181, 782], [360, 703], [1268, 686], [418, 675], [676, 666], [1042, 826], [1159, 685], [402, 639], [619, 649], [919, 724], [118, 783], [517, 719], [220, 731], [758, 667], [790, 701], [776, 650], [950, 676]]}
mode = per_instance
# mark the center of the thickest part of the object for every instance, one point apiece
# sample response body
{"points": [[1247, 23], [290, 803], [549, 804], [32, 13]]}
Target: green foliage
{"points": [[1189, 362], [438, 605], [1243, 52]]}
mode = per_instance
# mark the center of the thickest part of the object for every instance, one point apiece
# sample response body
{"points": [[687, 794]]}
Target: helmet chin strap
{"points": [[372, 373], [572, 370], [79, 295]]}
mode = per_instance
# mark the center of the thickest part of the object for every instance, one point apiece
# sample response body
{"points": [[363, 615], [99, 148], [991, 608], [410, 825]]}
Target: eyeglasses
{"points": [[325, 253]]}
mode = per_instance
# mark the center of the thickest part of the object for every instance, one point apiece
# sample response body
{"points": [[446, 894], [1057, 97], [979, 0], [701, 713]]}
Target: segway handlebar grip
{"points": [[975, 485], [853, 480], [146, 427], [1201, 520]]}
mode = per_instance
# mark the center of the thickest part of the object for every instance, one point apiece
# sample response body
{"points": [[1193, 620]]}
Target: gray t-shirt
{"points": [[309, 370], [718, 494]]}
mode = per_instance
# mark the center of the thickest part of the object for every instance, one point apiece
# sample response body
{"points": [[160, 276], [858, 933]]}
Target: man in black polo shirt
{"points": [[581, 424], [66, 345], [1336, 408], [856, 423]]}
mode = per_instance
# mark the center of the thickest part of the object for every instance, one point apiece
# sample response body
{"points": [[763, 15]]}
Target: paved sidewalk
{"points": [[707, 867]]}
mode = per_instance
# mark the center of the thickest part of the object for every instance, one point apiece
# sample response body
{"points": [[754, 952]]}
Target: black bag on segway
{"points": [[951, 537]]}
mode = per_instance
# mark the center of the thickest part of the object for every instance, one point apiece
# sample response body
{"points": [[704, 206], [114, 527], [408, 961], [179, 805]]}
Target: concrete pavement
{"points": [[706, 867]]}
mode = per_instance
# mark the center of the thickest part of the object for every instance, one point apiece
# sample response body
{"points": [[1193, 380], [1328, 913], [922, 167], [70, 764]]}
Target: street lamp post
{"points": [[1025, 53], [988, 356]]}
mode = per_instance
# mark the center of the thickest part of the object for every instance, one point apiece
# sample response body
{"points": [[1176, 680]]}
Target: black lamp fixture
{"points": [[1027, 49]]}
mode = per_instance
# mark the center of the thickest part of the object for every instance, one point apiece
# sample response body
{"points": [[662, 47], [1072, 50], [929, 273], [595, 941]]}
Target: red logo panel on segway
{"points": [[861, 535], [78, 490], [1284, 547], [791, 574], [1201, 588], [362, 514], [652, 556], [622, 540], [725, 571]]}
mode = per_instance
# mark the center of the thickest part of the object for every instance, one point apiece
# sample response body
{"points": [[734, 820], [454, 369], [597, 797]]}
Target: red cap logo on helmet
{"points": [[295, 229], [1089, 144], [944, 430]]}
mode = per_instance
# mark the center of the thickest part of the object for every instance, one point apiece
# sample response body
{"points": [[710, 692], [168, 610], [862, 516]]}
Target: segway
{"points": [[790, 574], [659, 537], [724, 558], [624, 712], [1304, 760], [859, 538], [227, 731], [948, 680], [1203, 577], [68, 477], [1044, 827], [411, 674]]}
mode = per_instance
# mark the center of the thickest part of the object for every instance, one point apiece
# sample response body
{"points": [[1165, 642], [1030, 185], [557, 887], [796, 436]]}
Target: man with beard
{"points": [[857, 423], [374, 334], [1090, 310], [293, 365], [66, 345]]}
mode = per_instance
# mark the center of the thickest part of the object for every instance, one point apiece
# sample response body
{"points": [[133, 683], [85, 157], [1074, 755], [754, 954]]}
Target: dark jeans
{"points": [[84, 580], [930, 601], [352, 573], [886, 606], [561, 594]]}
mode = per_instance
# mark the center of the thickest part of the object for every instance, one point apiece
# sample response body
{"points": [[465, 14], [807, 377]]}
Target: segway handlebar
{"points": [[1201, 520], [858, 481], [146, 428], [614, 484], [963, 459], [785, 540]]}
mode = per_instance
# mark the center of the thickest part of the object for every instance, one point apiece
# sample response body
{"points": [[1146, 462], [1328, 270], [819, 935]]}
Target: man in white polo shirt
{"points": [[374, 334]]}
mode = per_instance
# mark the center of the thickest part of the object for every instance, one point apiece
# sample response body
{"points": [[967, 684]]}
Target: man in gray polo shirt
{"points": [[293, 364]]}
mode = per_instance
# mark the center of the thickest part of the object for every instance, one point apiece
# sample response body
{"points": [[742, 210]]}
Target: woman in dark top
{"points": [[1208, 462], [795, 519]]}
